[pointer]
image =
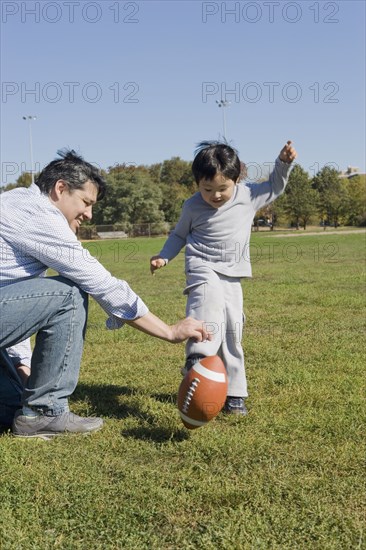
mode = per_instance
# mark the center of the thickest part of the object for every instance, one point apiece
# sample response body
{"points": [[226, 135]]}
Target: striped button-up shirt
{"points": [[35, 235]]}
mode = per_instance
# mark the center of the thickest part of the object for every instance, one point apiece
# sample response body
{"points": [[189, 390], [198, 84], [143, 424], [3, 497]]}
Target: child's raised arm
{"points": [[288, 153]]}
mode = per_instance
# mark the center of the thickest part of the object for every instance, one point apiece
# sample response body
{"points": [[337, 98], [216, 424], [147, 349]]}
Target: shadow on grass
{"points": [[105, 401], [170, 398], [157, 435]]}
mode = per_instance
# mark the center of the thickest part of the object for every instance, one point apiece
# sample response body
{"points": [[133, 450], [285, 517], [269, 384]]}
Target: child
{"points": [[215, 227]]}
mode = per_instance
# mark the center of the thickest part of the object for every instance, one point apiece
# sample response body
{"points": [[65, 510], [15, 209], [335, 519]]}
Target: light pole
{"points": [[30, 118], [223, 103]]}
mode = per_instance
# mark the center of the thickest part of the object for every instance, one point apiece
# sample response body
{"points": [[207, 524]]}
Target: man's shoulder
{"points": [[14, 193], [28, 195], [27, 206]]}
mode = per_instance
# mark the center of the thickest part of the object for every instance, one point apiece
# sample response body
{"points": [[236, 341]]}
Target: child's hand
{"points": [[156, 262], [288, 153]]}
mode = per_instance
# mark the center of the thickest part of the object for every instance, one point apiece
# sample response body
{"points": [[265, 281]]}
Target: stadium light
{"points": [[30, 118], [223, 103]]}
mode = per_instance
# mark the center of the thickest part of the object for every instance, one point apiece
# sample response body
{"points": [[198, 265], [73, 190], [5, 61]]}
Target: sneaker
{"points": [[46, 427], [190, 361], [235, 405]]}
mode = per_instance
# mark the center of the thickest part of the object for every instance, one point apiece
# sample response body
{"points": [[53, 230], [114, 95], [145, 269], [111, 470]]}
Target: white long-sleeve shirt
{"points": [[35, 235], [219, 237]]}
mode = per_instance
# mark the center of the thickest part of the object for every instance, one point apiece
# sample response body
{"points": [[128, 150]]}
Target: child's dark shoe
{"points": [[235, 405]]}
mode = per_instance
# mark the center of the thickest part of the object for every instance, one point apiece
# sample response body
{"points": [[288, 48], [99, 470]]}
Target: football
{"points": [[202, 392]]}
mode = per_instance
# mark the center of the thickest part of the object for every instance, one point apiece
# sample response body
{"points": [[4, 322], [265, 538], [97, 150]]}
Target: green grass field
{"points": [[288, 476]]}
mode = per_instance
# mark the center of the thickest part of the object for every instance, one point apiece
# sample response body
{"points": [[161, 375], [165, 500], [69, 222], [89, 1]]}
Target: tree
{"points": [[300, 198], [173, 197], [154, 172], [332, 194], [131, 198], [356, 209], [178, 171]]}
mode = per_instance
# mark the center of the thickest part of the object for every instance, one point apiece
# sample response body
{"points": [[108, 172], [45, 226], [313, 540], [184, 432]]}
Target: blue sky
{"points": [[137, 82]]}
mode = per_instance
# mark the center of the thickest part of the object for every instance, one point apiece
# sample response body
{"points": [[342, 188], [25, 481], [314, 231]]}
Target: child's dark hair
{"points": [[74, 170], [212, 157]]}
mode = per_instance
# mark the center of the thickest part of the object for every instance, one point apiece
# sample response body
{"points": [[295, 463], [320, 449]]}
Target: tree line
{"points": [[325, 199], [154, 194]]}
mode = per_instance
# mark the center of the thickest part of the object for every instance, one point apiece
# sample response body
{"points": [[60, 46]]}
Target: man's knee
{"points": [[76, 304], [81, 306]]}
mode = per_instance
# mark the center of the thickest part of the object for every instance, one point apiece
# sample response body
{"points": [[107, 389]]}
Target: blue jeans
{"points": [[54, 309]]}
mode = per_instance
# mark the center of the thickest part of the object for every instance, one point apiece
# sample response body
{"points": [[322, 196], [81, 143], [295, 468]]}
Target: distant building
{"points": [[350, 172]]}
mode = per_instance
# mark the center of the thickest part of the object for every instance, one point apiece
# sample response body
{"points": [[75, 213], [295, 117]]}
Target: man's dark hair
{"points": [[74, 170], [212, 157]]}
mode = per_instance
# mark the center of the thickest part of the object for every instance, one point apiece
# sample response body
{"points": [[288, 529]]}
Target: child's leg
{"points": [[232, 350], [205, 301]]}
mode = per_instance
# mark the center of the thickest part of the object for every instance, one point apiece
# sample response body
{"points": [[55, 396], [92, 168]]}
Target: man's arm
{"points": [[21, 355], [187, 328]]}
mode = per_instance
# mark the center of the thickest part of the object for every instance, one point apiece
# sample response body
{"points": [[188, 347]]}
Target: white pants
{"points": [[218, 300]]}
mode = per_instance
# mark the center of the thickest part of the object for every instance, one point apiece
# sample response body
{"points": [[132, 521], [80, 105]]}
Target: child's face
{"points": [[217, 191]]}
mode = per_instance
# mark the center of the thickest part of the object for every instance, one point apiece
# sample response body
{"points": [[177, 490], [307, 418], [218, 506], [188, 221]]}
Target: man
{"points": [[38, 231]]}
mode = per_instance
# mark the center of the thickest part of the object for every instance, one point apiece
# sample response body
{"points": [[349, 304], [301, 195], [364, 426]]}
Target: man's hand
{"points": [[288, 153], [190, 328], [23, 372], [156, 262]]}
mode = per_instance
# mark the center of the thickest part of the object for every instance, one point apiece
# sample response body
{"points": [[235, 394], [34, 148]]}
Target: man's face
{"points": [[76, 205], [217, 191]]}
